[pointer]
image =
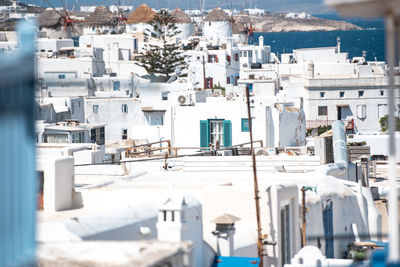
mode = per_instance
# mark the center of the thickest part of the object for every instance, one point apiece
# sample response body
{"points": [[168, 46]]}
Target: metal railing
{"points": [[149, 150]]}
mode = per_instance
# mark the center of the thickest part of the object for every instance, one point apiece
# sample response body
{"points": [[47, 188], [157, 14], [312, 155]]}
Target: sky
{"points": [[309, 6]]}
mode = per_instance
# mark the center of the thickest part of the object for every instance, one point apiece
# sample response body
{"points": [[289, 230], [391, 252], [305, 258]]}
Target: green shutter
{"points": [[227, 133], [204, 134]]}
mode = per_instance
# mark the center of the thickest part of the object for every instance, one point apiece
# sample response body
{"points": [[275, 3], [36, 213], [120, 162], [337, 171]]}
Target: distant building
{"points": [[255, 11]]}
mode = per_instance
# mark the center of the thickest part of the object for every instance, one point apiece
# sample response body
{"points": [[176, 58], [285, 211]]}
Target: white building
{"points": [[250, 54], [184, 24], [118, 51], [138, 21], [87, 9], [334, 87], [117, 9], [70, 132], [118, 113], [101, 21], [217, 25], [255, 11], [214, 66]]}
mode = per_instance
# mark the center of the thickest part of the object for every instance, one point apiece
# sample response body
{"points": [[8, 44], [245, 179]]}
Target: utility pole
{"points": [[256, 192]]}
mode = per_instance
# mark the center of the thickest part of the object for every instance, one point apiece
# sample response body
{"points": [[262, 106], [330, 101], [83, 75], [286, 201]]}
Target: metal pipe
{"points": [[393, 201], [256, 191]]}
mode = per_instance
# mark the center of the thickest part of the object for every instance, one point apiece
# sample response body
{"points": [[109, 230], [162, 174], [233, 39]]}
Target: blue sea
{"points": [[371, 39]]}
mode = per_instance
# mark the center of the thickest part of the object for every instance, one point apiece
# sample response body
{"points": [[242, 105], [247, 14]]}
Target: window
{"points": [[361, 111], [382, 110], [341, 94], [102, 137], [95, 108], [61, 76], [124, 134], [72, 108], [154, 118], [236, 57], [360, 93], [381, 92], [228, 80], [215, 129], [124, 108], [216, 132], [93, 136], [322, 111], [250, 53], [77, 137], [228, 58], [56, 138], [245, 125], [209, 23], [212, 59], [164, 95], [209, 83], [322, 94], [250, 86], [116, 85]]}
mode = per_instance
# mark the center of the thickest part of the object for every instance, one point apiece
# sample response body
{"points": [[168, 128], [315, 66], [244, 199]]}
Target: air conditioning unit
{"points": [[185, 100]]}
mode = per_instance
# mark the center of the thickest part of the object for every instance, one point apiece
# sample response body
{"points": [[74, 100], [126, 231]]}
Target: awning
{"points": [[151, 109]]}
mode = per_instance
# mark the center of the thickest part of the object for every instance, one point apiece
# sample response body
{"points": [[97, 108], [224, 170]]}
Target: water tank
{"points": [[256, 66]]}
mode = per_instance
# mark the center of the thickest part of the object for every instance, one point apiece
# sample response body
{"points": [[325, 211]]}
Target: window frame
{"points": [[124, 108], [124, 133], [95, 109], [320, 108]]}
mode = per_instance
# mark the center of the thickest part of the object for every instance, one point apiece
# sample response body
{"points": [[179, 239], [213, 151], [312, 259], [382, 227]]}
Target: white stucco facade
{"points": [[215, 30]]}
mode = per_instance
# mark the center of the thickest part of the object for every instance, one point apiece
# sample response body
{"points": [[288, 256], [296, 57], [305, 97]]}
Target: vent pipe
{"points": [[340, 166]]}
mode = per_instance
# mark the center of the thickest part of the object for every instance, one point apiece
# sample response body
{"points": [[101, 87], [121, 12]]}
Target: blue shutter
{"points": [[204, 134], [245, 125], [227, 133]]}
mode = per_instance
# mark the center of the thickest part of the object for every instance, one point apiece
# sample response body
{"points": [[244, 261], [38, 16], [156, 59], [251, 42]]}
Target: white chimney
{"points": [[338, 44], [261, 41], [224, 231], [179, 221]]}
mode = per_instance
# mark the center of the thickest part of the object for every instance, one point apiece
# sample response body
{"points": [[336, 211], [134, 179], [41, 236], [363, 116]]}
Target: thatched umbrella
{"points": [[180, 16], [217, 14], [50, 18], [102, 17], [142, 14]]}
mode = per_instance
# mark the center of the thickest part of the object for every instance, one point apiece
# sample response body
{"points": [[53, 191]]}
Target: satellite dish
{"points": [[182, 99]]}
